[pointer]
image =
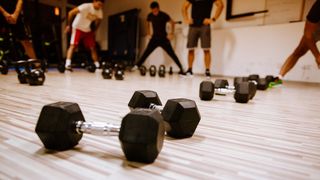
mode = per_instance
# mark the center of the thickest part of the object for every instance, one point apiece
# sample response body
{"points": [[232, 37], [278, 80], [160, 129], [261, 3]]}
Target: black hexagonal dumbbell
{"points": [[262, 83], [222, 87], [181, 116], [242, 92], [61, 126]]}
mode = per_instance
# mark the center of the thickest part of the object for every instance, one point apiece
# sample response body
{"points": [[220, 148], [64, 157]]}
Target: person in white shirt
{"points": [[81, 32]]}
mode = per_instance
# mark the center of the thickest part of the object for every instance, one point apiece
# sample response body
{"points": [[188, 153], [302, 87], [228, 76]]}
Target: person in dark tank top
{"points": [[159, 38]]}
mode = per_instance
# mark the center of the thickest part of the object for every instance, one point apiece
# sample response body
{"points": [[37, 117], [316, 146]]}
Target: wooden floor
{"points": [[275, 136]]}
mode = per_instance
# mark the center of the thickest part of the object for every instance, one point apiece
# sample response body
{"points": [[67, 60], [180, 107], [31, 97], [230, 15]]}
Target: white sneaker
{"points": [[134, 68]]}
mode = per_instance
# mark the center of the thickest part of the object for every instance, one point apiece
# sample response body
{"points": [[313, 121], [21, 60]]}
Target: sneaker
{"points": [[277, 82], [134, 68], [181, 73], [69, 68], [189, 73], [207, 74]]}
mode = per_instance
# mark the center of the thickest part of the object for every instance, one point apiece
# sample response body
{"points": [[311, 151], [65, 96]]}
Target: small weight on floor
{"points": [[143, 70], [61, 125], [153, 70], [181, 115], [107, 73], [4, 68], [242, 92], [162, 71]]}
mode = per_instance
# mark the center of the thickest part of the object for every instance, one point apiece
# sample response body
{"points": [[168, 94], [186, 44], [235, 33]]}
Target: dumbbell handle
{"points": [[224, 91], [156, 107], [101, 129]]}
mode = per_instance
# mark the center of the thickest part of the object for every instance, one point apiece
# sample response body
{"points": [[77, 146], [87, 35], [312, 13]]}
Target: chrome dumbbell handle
{"points": [[102, 129]]}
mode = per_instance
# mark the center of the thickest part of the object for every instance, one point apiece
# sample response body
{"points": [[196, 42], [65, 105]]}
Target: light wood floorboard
{"points": [[274, 136]]}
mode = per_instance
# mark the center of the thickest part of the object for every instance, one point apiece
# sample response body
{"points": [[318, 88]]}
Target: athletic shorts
{"points": [[87, 38], [203, 33], [18, 30]]}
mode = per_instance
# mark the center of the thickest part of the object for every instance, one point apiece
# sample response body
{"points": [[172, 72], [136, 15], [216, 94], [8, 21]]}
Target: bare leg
{"points": [[70, 51], [207, 58], [28, 47], [301, 50], [190, 58], [94, 54]]}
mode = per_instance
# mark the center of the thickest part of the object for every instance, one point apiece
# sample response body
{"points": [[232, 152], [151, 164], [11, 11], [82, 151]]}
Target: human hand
{"points": [[148, 36], [207, 21], [8, 17], [68, 29], [188, 21], [170, 36]]}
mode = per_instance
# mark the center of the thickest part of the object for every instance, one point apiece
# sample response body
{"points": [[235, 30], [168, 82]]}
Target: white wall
{"points": [[246, 48]]}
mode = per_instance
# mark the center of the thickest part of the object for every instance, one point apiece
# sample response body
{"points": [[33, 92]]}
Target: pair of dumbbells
{"points": [[262, 83], [28, 73], [141, 133], [4, 68], [242, 92], [108, 71]]}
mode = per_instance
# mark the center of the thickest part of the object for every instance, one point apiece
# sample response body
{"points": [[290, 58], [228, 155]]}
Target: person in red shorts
{"points": [[81, 32]]}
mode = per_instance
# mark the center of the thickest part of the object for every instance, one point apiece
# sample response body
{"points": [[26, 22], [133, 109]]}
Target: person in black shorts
{"points": [[199, 28], [159, 19], [308, 42], [11, 20]]}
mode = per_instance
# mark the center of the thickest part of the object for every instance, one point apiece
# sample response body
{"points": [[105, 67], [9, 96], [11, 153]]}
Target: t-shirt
{"points": [[201, 9], [314, 14], [86, 15], [159, 24]]}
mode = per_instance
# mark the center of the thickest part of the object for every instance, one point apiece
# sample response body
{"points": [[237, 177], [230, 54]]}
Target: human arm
{"points": [[172, 28], [71, 15], [12, 18], [219, 5], [186, 5], [17, 11], [148, 28]]}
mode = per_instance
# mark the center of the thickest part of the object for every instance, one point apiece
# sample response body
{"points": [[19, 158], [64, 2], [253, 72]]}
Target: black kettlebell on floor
{"points": [[91, 67], [162, 71], [143, 70], [20, 67], [153, 70], [107, 71], [119, 72], [4, 66], [36, 75]]}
